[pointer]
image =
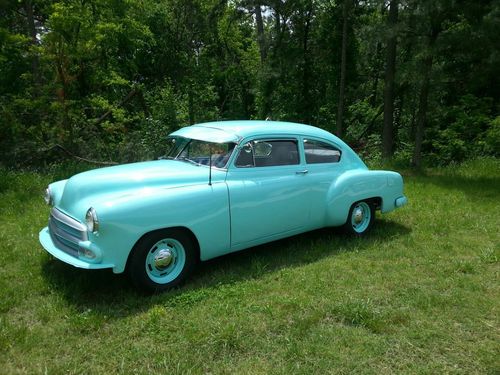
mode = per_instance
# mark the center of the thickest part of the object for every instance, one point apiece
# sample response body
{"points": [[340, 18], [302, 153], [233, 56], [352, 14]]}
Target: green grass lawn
{"points": [[420, 294]]}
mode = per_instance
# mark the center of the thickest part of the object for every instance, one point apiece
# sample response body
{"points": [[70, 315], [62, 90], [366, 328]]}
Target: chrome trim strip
{"points": [[60, 232], [66, 232], [69, 221], [59, 241]]}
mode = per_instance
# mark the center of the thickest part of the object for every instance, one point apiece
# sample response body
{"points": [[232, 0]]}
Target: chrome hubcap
{"points": [[163, 259], [358, 215], [361, 217]]}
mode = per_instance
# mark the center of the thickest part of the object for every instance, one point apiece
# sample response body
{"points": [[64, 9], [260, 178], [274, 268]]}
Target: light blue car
{"points": [[221, 187]]}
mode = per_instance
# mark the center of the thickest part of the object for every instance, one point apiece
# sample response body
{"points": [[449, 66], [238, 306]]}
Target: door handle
{"points": [[302, 172]]}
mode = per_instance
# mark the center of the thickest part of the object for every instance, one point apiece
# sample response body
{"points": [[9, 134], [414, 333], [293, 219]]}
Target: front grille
{"points": [[66, 232]]}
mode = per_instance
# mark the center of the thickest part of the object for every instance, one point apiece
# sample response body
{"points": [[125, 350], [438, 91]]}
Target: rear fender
{"points": [[383, 187]]}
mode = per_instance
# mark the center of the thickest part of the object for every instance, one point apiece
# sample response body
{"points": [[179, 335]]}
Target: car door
{"points": [[268, 190], [323, 163]]}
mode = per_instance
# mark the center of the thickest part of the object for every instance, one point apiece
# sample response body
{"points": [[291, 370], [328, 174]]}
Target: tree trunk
{"points": [[62, 92], [143, 103], [375, 76], [30, 19], [261, 40], [376, 68], [273, 67], [422, 112], [424, 95], [264, 80], [191, 105], [390, 72], [306, 98], [340, 106]]}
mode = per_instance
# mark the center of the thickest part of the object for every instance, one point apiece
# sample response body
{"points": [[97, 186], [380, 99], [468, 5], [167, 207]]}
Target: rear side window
{"points": [[264, 153], [320, 152]]}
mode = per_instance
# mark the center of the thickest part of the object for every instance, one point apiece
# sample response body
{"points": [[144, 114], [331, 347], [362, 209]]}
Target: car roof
{"points": [[236, 131], [227, 131]]}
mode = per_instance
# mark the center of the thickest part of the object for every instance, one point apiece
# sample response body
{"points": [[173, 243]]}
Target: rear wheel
{"points": [[162, 260], [360, 219]]}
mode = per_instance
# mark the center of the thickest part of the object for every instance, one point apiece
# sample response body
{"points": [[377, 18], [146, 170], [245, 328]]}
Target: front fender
{"points": [[56, 191], [360, 184], [203, 209]]}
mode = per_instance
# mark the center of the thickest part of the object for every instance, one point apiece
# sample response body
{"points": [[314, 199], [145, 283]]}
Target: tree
{"points": [[389, 88], [343, 61], [261, 39], [435, 17], [110, 79]]}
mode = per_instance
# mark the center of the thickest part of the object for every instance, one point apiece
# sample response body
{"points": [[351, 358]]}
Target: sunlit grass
{"points": [[419, 295]]}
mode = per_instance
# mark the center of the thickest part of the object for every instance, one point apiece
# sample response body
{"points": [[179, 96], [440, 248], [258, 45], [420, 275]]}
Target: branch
{"points": [[129, 96], [370, 125], [65, 150]]}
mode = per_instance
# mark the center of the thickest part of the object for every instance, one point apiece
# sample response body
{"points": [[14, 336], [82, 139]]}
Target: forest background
{"points": [[411, 82]]}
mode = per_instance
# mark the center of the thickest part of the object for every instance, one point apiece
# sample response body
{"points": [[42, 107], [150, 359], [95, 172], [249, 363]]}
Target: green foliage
{"points": [[108, 80], [370, 151], [166, 114], [362, 117], [492, 138], [465, 132]]}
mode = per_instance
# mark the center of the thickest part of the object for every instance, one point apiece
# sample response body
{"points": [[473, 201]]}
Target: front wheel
{"points": [[162, 260], [360, 219]]}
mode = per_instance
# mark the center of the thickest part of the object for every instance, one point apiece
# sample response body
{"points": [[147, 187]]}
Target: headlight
{"points": [[47, 196], [91, 220]]}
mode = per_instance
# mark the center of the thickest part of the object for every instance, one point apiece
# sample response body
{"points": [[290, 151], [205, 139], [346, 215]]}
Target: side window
{"points": [[262, 153], [320, 152], [245, 158]]}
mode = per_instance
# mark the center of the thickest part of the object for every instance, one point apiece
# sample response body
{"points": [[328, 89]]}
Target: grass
{"points": [[419, 295]]}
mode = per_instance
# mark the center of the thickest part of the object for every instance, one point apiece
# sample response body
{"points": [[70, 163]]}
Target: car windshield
{"points": [[199, 152]]}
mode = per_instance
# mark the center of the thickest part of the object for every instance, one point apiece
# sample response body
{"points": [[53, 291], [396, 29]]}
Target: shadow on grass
{"points": [[113, 296]]}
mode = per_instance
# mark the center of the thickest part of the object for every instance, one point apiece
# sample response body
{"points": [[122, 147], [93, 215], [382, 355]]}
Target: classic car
{"points": [[220, 187]]}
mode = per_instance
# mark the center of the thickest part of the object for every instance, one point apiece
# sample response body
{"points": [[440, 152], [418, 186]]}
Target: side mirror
{"points": [[263, 149]]}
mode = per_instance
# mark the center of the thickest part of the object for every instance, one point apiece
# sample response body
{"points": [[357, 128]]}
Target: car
{"points": [[220, 187]]}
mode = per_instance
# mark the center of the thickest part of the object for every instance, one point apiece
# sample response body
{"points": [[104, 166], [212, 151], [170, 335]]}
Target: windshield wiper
{"points": [[189, 160]]}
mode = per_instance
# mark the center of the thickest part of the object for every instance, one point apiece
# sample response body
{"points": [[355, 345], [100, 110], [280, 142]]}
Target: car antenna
{"points": [[210, 166]]}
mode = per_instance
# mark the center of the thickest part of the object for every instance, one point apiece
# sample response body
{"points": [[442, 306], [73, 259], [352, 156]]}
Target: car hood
{"points": [[104, 184]]}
